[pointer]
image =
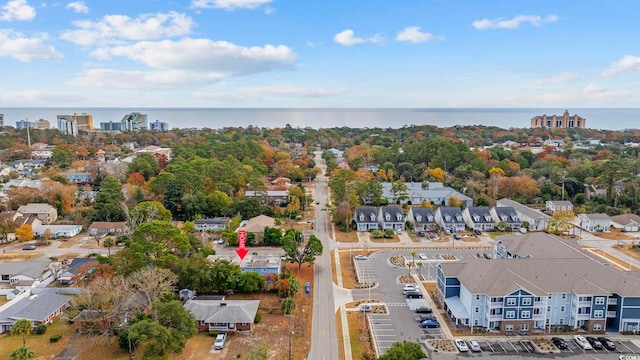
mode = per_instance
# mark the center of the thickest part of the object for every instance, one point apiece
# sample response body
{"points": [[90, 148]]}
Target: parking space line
{"points": [[524, 346], [513, 346], [628, 348], [490, 347], [503, 349]]}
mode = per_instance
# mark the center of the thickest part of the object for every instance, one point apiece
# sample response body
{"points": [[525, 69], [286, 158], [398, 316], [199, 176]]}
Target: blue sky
{"points": [[320, 53]]}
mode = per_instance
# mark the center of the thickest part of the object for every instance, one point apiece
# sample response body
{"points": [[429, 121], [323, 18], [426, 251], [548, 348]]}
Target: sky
{"points": [[320, 53]]}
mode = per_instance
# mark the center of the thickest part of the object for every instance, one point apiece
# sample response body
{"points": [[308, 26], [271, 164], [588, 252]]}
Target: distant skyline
{"points": [[293, 53]]}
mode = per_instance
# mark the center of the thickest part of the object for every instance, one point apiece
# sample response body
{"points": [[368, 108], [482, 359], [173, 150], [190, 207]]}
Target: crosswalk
{"points": [[397, 304]]}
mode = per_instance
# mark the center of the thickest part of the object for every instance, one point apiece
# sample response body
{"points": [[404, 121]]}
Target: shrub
{"points": [[55, 338], [214, 333], [258, 318], [41, 329]]}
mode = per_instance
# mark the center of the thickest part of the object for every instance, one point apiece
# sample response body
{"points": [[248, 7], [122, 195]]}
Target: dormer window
{"points": [[504, 217], [487, 218], [447, 218], [387, 217], [476, 218], [514, 218], [430, 218], [418, 218], [373, 217], [459, 218], [399, 216], [361, 217]]}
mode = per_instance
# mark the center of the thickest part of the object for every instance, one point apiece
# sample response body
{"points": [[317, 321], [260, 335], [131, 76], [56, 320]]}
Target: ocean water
{"points": [[215, 118]]}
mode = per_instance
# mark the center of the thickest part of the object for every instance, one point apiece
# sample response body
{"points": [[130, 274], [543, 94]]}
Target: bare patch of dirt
{"points": [[613, 235], [440, 345], [394, 239], [23, 256], [349, 237], [347, 269], [359, 335], [621, 264]]}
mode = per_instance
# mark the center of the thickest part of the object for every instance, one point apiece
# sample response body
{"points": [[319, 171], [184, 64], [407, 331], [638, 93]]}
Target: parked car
{"points": [[559, 343], [477, 232], [594, 343], [425, 317], [408, 287], [220, 241], [365, 307], [582, 342], [360, 257], [29, 247], [474, 346], [461, 345], [218, 344], [457, 237], [430, 324], [608, 344], [423, 256], [414, 294], [424, 310], [398, 231]]}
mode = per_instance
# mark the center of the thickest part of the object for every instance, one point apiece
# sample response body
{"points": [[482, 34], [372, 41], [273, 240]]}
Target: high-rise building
{"points": [[83, 121], [1, 120], [558, 122], [133, 122], [68, 126], [159, 126], [110, 126], [23, 124]]}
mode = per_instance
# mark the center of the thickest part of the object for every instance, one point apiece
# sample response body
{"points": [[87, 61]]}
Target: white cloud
{"points": [[16, 45], [115, 28], [271, 92], [203, 55], [513, 23], [17, 10], [628, 63], [40, 98], [413, 34], [165, 80], [78, 6], [561, 78], [348, 38], [230, 4], [587, 95]]}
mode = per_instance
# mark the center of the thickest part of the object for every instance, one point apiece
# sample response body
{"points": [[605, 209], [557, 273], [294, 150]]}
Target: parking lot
{"points": [[364, 271], [384, 334]]}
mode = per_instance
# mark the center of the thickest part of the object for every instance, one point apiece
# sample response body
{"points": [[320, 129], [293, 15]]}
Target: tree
{"points": [[258, 352], [560, 222], [145, 212], [399, 191], [250, 281], [287, 305], [404, 350], [22, 327], [179, 321], [108, 243], [107, 203], [24, 232], [153, 337], [152, 283], [297, 254], [21, 353]]}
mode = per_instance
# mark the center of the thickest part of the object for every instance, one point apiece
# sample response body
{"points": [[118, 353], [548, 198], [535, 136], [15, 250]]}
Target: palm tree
{"points": [[21, 353], [288, 305], [108, 243], [420, 265], [409, 265], [413, 257], [22, 327]]}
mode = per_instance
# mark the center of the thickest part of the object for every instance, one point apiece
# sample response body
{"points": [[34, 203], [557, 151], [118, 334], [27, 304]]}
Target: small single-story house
{"points": [[223, 315], [57, 230], [104, 228], [537, 219], [256, 226], [24, 272], [213, 224], [506, 214], [450, 218], [422, 218], [626, 222], [262, 264], [391, 217], [66, 276], [478, 218], [268, 196], [594, 222], [558, 205], [366, 218], [40, 309]]}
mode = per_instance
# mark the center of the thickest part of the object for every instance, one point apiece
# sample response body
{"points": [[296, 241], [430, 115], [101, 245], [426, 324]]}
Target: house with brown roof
{"points": [[256, 226], [626, 222], [45, 212], [104, 228]]}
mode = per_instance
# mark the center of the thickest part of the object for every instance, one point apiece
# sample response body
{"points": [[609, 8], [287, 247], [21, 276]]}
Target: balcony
{"points": [[539, 317], [539, 304], [496, 304], [583, 316], [612, 301], [497, 317], [611, 314]]}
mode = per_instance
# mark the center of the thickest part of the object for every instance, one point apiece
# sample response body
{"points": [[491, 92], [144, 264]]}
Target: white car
{"points": [[474, 346], [408, 288], [461, 345], [218, 344], [423, 256], [582, 342]]}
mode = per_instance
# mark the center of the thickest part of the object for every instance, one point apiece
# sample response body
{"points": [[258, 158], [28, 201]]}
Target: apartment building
{"points": [[83, 122], [563, 121]]}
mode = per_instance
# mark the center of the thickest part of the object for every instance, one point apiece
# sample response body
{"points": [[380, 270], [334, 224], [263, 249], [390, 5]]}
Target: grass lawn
{"points": [[39, 344], [359, 335]]}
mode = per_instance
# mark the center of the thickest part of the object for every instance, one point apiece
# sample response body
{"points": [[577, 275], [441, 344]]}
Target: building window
{"points": [[548, 308], [526, 314], [511, 301], [564, 296], [477, 309], [597, 326], [561, 321], [524, 327], [562, 308], [510, 315], [598, 313], [599, 301], [475, 322], [526, 301], [477, 296], [508, 327]]}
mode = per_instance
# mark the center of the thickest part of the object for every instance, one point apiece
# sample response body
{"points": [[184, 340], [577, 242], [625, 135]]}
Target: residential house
{"points": [[507, 215], [337, 153], [422, 218], [256, 226], [366, 218], [594, 222], [223, 315], [418, 192], [450, 218], [45, 212], [76, 177], [593, 191], [537, 220], [24, 273], [391, 217], [478, 218], [21, 219], [262, 264], [213, 224], [268, 196], [515, 294], [57, 231], [41, 309], [67, 275], [104, 228], [558, 205], [626, 222], [22, 183]]}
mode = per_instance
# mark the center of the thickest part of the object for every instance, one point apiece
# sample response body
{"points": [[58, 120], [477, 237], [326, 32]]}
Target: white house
{"points": [[57, 231], [391, 217], [478, 218], [594, 222], [558, 205], [422, 218], [450, 218], [537, 220], [366, 218], [626, 222]]}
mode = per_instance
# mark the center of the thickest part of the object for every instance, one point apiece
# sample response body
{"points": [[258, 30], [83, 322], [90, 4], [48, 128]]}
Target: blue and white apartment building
{"points": [[537, 283]]}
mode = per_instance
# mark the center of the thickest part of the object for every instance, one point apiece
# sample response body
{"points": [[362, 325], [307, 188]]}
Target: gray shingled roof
{"points": [[596, 216], [543, 245], [625, 219], [367, 211], [507, 211], [482, 212], [424, 215], [33, 268], [35, 308], [453, 212], [235, 311], [523, 209], [394, 211]]}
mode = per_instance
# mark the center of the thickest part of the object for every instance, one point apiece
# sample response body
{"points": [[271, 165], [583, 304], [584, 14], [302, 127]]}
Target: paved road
{"points": [[324, 339]]}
